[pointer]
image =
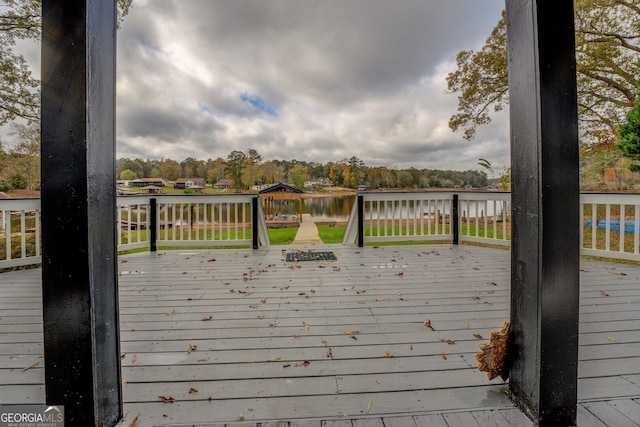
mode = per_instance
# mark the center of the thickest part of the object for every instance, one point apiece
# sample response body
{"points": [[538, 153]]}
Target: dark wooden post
{"points": [[254, 223], [153, 225], [360, 206], [545, 194], [455, 219], [79, 265]]}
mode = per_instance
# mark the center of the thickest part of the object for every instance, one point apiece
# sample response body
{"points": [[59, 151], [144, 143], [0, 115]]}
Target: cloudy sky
{"points": [[314, 80]]}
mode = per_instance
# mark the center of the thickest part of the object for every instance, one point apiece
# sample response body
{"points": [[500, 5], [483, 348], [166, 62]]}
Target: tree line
{"points": [[247, 168]]}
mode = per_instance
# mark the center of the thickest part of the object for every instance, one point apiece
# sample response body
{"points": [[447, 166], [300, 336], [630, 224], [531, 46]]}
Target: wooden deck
{"points": [[241, 336]]}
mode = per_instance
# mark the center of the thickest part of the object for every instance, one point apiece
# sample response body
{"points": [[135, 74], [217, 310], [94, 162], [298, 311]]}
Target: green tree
{"points": [[234, 167], [170, 170], [299, 174], [253, 159], [629, 143], [19, 90], [128, 175], [23, 159], [607, 49]]}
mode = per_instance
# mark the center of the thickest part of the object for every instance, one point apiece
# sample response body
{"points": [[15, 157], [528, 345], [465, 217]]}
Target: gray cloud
{"points": [[315, 81]]}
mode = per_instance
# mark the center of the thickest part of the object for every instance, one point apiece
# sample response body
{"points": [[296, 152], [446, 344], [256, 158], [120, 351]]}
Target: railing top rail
{"points": [[484, 195], [19, 204], [205, 198], [612, 198], [421, 195]]}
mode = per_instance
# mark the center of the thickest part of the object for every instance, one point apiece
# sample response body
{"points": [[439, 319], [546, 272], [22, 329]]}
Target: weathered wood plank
{"points": [[434, 420], [399, 422], [629, 407], [608, 414], [587, 419]]}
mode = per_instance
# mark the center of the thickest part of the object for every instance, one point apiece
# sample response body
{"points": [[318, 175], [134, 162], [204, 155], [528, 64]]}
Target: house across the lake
{"points": [[144, 182], [193, 183], [223, 184], [319, 182]]}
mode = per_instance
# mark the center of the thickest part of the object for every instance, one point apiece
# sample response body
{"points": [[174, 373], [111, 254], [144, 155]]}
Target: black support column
{"points": [[545, 195], [79, 268]]}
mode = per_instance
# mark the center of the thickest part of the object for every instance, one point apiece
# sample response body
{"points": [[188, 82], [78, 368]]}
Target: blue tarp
{"points": [[614, 224]]}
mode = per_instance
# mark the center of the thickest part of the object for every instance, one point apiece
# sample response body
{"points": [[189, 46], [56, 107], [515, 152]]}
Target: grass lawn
{"points": [[331, 234], [282, 236]]}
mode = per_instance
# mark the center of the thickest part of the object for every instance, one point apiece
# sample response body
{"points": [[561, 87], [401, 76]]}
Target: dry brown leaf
{"points": [[387, 355], [204, 319], [383, 299], [618, 273], [427, 323], [204, 359], [400, 274], [305, 324], [134, 421], [467, 325], [135, 358], [193, 390], [274, 359], [166, 399], [172, 312], [369, 406], [444, 356], [448, 341], [353, 337], [611, 339], [240, 417], [324, 342], [492, 355], [352, 332], [192, 347], [297, 337], [329, 352], [377, 381], [478, 336], [410, 346], [286, 365], [604, 294], [304, 363]]}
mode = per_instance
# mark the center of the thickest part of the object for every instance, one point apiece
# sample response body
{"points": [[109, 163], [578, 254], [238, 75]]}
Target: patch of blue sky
{"points": [[259, 104]]}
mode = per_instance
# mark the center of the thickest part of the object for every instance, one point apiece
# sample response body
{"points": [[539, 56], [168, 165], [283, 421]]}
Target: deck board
{"points": [[222, 332]]}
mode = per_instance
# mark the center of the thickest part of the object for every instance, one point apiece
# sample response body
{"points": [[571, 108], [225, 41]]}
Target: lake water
{"points": [[335, 207]]}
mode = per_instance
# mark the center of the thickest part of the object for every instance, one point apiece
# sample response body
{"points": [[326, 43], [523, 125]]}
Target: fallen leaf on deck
{"points": [[124, 382], [193, 390], [305, 325], [33, 365], [410, 346], [286, 365], [427, 324], [274, 359], [297, 337], [211, 260], [444, 356], [329, 352], [448, 341], [611, 339], [305, 364], [478, 336], [241, 417], [383, 299], [123, 355], [204, 319], [135, 358], [134, 421], [618, 273], [192, 347], [352, 332], [369, 405], [336, 268], [353, 337], [604, 294], [171, 313], [324, 342], [387, 355], [166, 399], [400, 274], [466, 325], [492, 283], [204, 359]]}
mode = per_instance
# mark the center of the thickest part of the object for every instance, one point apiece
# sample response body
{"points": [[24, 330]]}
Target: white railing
{"points": [[190, 220], [407, 216], [204, 220], [610, 222], [20, 233], [484, 217], [610, 225]]}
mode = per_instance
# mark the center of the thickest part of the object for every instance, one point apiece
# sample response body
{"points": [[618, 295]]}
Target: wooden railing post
{"points": [[360, 201], [455, 219], [254, 223], [79, 253], [545, 257], [153, 224]]}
